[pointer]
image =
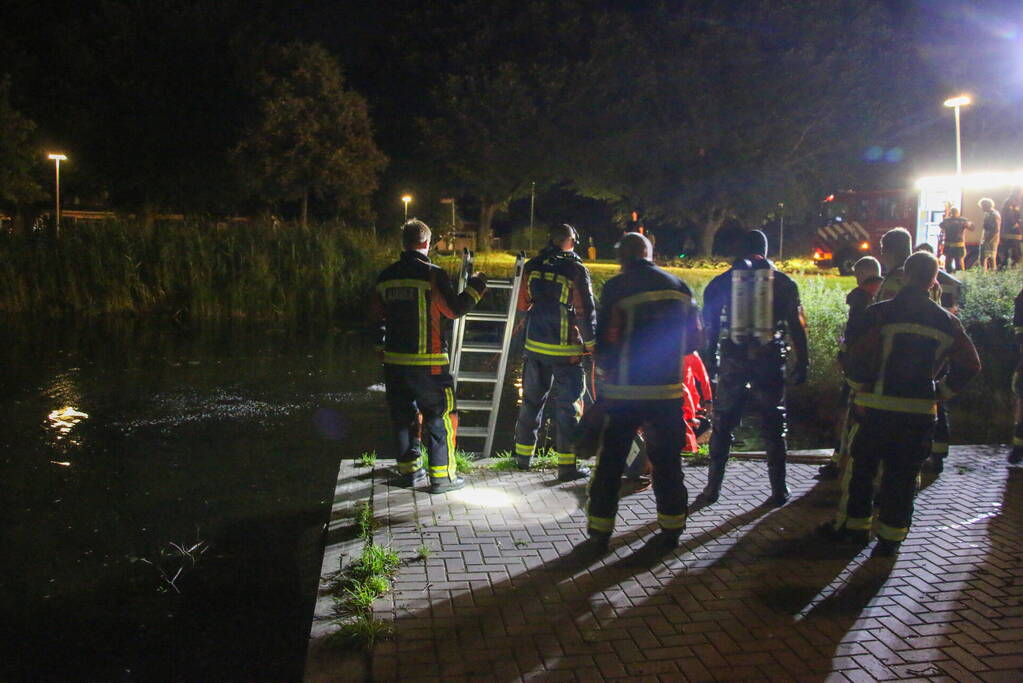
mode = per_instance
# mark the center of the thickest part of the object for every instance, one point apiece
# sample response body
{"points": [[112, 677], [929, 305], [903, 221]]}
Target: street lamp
{"points": [[406, 198], [955, 103], [56, 159]]}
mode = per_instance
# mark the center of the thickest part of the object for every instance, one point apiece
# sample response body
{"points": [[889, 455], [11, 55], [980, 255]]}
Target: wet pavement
{"points": [[751, 594]]}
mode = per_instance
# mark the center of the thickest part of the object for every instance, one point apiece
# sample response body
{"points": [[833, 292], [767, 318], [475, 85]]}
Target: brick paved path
{"points": [[751, 594]]}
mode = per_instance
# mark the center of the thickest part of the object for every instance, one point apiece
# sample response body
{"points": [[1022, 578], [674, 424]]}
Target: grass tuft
{"points": [[423, 552], [367, 459], [464, 461], [361, 632]]}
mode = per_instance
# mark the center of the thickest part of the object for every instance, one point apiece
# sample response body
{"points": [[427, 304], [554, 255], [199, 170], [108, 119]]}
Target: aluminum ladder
{"points": [[459, 346]]}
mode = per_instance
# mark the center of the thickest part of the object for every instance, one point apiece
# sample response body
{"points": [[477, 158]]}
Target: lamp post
{"points": [[955, 103], [406, 198], [56, 159]]}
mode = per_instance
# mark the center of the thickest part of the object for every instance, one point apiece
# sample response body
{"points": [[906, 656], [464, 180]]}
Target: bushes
{"points": [[193, 269]]}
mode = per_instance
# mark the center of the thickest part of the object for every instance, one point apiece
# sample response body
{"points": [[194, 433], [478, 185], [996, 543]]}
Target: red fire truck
{"points": [[851, 225]]}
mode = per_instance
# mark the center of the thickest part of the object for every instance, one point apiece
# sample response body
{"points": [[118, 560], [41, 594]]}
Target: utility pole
{"points": [[781, 229], [532, 206]]}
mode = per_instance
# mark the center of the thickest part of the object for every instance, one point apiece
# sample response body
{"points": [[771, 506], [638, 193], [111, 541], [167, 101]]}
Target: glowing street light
{"points": [[955, 103], [406, 198], [56, 159]]}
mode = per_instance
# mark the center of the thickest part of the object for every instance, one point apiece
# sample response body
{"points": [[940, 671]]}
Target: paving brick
{"points": [[750, 595]]}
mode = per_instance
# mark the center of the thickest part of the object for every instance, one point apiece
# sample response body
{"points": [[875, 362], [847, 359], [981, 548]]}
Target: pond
{"points": [[165, 492]]}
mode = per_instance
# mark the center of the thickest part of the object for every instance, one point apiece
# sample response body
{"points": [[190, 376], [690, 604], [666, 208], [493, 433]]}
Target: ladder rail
{"points": [[502, 366], [458, 325]]}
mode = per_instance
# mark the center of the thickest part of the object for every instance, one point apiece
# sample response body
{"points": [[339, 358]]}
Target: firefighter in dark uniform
{"points": [[749, 357], [895, 357], [954, 228], [411, 301], [558, 297], [646, 325], [1012, 230], [951, 301], [1016, 455], [896, 246]]}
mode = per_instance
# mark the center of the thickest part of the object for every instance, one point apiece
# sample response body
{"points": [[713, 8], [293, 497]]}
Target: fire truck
{"points": [[852, 223]]}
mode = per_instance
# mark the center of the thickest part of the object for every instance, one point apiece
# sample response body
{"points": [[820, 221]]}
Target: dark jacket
{"points": [[788, 314], [557, 293], [954, 228], [1017, 320], [858, 300], [411, 299], [646, 325], [898, 350]]}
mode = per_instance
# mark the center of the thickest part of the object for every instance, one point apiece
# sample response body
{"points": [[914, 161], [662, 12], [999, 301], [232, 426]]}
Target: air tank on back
{"points": [[763, 305], [740, 324]]}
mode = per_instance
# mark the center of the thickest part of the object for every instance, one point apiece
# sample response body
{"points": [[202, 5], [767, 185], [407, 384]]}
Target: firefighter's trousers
{"points": [[942, 434], [1017, 434], [413, 390], [538, 376], [663, 430], [898, 443], [762, 382]]}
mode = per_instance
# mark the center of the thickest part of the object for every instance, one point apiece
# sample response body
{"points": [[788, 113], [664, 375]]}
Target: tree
{"points": [[18, 156], [309, 134]]}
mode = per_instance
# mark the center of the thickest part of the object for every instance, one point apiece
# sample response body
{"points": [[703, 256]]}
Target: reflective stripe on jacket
{"points": [[557, 293], [646, 325], [898, 349], [409, 303]]}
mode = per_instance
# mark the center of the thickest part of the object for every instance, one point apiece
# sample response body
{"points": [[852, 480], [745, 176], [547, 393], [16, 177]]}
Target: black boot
{"points": [[446, 485], [522, 462], [572, 472], [779, 491], [715, 475]]}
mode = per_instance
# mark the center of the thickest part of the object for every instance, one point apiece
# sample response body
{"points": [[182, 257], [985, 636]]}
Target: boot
{"points": [[597, 543], [715, 475], [667, 539], [572, 472], [413, 480], [446, 485], [776, 474], [885, 548], [843, 535], [522, 462]]}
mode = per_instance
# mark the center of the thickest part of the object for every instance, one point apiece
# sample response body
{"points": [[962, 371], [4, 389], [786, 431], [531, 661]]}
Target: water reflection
{"points": [[62, 421]]}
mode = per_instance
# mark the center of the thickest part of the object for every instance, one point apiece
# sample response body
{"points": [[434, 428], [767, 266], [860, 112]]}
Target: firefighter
{"points": [[951, 301], [895, 356], [1012, 230], [748, 310], [954, 228], [990, 236], [868, 280], [557, 295], [896, 246], [1016, 455], [646, 325], [411, 299]]}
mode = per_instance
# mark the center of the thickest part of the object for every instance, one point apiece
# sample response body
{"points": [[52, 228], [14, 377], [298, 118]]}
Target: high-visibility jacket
{"points": [[646, 325], [896, 280], [899, 348], [557, 293], [411, 299]]}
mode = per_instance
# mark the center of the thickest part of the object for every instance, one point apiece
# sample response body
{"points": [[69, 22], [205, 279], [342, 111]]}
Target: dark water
{"points": [[121, 439]]}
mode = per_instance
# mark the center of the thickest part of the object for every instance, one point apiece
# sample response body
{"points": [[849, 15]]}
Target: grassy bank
{"points": [[191, 270]]}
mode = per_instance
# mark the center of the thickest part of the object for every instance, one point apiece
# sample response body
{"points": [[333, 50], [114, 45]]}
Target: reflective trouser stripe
{"points": [[891, 533], [857, 523], [524, 449], [449, 427], [955, 245], [392, 358], [1012, 236], [439, 472], [897, 404], [603, 524], [671, 521], [409, 467], [938, 447], [565, 458], [843, 501]]}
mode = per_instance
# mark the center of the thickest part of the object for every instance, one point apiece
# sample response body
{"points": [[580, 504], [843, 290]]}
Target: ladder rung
{"points": [[487, 315], [481, 347], [470, 376], [476, 432], [472, 404]]}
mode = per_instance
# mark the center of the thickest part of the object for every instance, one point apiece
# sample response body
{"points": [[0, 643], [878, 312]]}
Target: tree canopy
{"points": [[18, 154]]}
